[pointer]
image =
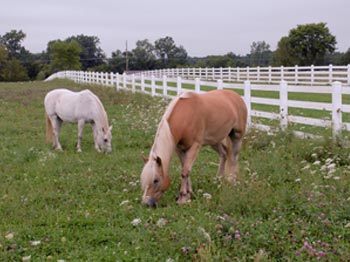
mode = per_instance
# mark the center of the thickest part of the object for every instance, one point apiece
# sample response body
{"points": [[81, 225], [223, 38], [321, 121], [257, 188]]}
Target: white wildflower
{"points": [[207, 196], [169, 260], [26, 259], [136, 221], [124, 202], [205, 233], [9, 236], [316, 163], [305, 167], [329, 161], [298, 180], [336, 178], [35, 243], [162, 222]]}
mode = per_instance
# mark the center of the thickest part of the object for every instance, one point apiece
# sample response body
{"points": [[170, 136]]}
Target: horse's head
{"points": [[153, 181], [104, 139]]}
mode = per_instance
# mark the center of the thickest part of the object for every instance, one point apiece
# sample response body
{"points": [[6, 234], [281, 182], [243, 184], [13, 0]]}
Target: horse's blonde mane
{"points": [[164, 144]]}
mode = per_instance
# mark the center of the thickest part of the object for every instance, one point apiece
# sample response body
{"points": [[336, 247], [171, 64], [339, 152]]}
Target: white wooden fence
{"points": [[296, 75], [171, 87]]}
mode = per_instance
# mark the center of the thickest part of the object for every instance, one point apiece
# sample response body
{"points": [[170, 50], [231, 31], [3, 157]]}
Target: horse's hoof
{"points": [[183, 199]]}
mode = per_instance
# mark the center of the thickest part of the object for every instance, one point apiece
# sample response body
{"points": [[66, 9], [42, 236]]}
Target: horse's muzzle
{"points": [[150, 202]]}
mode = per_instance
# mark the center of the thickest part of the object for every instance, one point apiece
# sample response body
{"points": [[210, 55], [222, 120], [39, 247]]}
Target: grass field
{"points": [[291, 203]]}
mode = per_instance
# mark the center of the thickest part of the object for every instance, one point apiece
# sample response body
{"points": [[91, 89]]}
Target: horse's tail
{"points": [[49, 131]]}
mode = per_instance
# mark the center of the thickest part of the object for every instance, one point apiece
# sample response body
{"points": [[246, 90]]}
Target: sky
{"points": [[206, 27]]}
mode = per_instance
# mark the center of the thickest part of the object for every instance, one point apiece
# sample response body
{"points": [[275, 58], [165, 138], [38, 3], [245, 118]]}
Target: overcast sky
{"points": [[206, 27]]}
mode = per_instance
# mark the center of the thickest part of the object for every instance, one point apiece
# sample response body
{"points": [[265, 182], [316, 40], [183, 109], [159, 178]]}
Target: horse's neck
{"points": [[101, 119], [163, 145]]}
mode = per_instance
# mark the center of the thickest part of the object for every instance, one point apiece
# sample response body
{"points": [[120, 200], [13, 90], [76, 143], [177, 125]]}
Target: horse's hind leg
{"points": [[232, 163], [222, 151], [56, 126], [81, 124]]}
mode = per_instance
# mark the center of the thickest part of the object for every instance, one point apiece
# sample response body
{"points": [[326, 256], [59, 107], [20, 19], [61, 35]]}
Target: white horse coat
{"points": [[62, 105]]}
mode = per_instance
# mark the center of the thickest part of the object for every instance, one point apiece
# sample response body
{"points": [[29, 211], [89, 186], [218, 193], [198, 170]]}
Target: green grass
{"points": [[291, 203]]}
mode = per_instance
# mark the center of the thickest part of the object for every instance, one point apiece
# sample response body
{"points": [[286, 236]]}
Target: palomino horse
{"points": [[216, 118], [77, 107]]}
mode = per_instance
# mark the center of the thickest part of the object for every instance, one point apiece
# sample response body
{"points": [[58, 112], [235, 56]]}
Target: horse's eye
{"points": [[155, 181]]}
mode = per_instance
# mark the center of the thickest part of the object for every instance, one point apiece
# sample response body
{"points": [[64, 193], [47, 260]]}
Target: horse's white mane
{"points": [[103, 118]]}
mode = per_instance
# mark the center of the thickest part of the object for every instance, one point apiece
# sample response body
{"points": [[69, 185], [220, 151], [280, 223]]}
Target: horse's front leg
{"points": [[187, 159], [81, 124], [95, 132]]}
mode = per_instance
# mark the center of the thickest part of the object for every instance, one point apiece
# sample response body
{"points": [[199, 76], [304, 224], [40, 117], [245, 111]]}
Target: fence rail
{"points": [[333, 100], [296, 75]]}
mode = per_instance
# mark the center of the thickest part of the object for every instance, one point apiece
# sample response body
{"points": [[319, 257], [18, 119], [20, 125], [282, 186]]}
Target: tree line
{"points": [[309, 44]]}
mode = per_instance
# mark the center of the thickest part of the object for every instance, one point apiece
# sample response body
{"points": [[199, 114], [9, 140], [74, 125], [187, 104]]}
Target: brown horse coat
{"points": [[216, 118]]}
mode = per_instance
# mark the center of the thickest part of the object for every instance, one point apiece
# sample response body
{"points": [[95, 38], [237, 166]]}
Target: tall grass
{"points": [[291, 202]]}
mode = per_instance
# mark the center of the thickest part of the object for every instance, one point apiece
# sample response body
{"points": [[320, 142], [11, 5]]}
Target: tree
{"points": [[91, 54], [283, 54], [260, 54], [64, 55], [345, 60], [144, 57], [13, 70], [306, 45], [12, 41], [169, 54], [117, 62]]}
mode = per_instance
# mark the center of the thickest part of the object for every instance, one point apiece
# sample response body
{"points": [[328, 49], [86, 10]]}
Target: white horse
{"points": [[77, 107]]}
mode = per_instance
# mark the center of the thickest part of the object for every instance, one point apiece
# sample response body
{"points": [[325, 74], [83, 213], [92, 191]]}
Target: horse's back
{"points": [[69, 105], [207, 118]]}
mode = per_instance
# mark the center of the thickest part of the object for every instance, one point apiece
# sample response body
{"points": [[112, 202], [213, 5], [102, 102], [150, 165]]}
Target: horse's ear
{"points": [[110, 128], [145, 159]]}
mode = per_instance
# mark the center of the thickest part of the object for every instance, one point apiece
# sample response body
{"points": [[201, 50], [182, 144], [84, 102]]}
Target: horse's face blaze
{"points": [[153, 182]]}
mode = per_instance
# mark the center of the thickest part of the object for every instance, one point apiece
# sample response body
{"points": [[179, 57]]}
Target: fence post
{"points": [[219, 84], [197, 85], [112, 78], [248, 102], [296, 75], [153, 85], [213, 73], [124, 80], [284, 104], [282, 73], [348, 74], [133, 83], [330, 73], [142, 83], [178, 85], [229, 74], [117, 81], [258, 73], [336, 108], [238, 77], [165, 86], [270, 75]]}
